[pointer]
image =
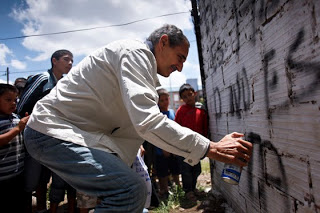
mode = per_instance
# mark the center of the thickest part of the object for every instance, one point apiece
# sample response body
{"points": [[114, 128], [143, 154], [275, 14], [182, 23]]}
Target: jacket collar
{"points": [[151, 48], [52, 81], [150, 45]]}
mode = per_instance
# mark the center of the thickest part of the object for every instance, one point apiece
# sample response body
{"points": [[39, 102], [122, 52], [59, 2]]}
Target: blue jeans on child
{"points": [[91, 171]]}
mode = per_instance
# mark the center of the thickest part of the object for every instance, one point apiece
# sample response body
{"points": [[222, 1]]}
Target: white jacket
{"points": [[109, 102]]}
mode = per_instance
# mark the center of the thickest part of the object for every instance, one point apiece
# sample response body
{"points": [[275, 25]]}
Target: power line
{"points": [[92, 28], [79, 30], [39, 70], [26, 71]]}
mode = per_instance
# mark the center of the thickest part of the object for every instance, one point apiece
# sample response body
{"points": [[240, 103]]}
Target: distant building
{"points": [[193, 82]]}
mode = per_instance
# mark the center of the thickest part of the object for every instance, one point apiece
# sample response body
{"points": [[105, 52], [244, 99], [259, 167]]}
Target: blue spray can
{"points": [[231, 173]]}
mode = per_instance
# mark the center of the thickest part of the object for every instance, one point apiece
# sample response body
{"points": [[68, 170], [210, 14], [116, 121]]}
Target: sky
{"points": [[31, 30]]}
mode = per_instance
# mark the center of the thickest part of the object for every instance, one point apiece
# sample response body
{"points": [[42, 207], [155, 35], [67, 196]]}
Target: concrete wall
{"points": [[262, 78]]}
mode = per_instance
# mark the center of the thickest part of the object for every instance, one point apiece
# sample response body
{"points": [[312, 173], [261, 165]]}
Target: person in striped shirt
{"points": [[11, 150]]}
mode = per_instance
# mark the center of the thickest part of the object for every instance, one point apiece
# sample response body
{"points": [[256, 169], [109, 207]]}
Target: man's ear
{"points": [[164, 40]]}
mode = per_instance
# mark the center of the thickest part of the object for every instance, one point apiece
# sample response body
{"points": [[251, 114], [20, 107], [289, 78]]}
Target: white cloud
{"points": [[18, 64], [3, 81], [175, 80], [191, 69], [48, 17], [4, 51]]}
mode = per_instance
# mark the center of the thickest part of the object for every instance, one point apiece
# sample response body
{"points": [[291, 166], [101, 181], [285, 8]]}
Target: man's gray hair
{"points": [[176, 36]]}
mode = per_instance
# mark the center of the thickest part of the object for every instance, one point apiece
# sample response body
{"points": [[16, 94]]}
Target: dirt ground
{"points": [[208, 201]]}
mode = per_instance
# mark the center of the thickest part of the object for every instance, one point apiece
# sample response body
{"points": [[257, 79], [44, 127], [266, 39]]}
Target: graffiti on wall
{"points": [[258, 11], [239, 96], [310, 68], [240, 90], [279, 182]]}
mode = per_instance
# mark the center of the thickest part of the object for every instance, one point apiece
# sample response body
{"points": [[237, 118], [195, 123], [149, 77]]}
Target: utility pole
{"points": [[7, 75], [196, 22]]}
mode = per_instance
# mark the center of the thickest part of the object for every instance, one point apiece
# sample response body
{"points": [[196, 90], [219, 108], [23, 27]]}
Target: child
{"points": [[166, 163], [188, 115], [20, 83], [11, 151]]}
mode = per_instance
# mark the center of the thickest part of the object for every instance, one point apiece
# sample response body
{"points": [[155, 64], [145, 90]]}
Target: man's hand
{"points": [[231, 149]]}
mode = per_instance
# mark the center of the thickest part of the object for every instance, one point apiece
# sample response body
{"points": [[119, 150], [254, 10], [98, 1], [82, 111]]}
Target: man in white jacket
{"points": [[91, 125]]}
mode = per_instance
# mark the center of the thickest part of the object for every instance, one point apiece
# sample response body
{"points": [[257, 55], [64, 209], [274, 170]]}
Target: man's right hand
{"points": [[231, 149]]}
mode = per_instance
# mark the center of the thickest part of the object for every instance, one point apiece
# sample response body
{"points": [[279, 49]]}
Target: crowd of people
{"points": [[82, 128]]}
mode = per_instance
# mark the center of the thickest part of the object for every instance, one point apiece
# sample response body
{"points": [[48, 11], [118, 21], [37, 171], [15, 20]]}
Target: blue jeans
{"points": [[90, 171]]}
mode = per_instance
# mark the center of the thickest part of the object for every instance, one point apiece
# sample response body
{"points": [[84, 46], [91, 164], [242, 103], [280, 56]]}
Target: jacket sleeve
{"points": [[31, 94], [138, 90]]}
